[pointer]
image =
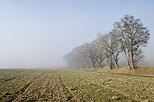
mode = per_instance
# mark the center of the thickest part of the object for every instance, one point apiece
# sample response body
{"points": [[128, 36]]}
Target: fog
{"points": [[38, 33]]}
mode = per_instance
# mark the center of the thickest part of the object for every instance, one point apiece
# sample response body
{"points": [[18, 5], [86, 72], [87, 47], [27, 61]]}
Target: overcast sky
{"points": [[38, 33]]}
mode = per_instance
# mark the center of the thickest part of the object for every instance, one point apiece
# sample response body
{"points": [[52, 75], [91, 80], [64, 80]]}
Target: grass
{"points": [[73, 86], [140, 70]]}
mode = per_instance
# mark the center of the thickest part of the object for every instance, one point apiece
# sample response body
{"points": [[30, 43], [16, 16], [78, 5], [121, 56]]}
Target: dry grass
{"points": [[140, 70]]}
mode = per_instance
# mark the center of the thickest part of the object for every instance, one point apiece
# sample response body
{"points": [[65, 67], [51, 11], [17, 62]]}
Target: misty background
{"points": [[38, 33]]}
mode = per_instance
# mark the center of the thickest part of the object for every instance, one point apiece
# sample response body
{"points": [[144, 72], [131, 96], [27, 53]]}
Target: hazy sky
{"points": [[37, 33]]}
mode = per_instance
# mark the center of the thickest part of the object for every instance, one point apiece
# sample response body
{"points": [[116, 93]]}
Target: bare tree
{"points": [[90, 51], [111, 45], [83, 56], [114, 46], [69, 60], [134, 36], [128, 36], [100, 50]]}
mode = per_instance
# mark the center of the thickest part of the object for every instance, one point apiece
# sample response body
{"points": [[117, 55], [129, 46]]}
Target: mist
{"points": [[38, 33]]}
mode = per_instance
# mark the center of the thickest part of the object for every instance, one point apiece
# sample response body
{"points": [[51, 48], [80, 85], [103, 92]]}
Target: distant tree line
{"points": [[128, 36]]}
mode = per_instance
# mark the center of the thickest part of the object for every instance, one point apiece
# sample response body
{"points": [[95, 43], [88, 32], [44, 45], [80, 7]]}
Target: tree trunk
{"points": [[93, 62], [128, 59], [115, 59], [116, 63], [110, 66], [100, 64], [128, 64], [132, 61], [94, 65]]}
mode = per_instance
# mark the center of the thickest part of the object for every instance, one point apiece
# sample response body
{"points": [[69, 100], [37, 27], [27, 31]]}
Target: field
{"points": [[44, 85]]}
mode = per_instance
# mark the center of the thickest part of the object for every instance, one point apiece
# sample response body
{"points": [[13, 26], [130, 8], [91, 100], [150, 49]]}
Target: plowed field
{"points": [[44, 85]]}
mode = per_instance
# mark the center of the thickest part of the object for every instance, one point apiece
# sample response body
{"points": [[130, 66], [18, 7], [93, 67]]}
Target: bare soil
{"points": [[33, 85]]}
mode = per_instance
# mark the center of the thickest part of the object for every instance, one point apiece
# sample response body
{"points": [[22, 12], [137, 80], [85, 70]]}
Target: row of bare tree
{"points": [[128, 36]]}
